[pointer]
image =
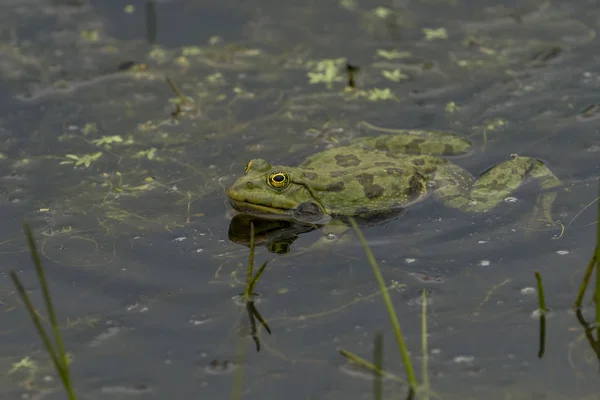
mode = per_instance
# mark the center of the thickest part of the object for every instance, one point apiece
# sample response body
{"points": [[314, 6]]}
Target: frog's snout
{"points": [[241, 186]]}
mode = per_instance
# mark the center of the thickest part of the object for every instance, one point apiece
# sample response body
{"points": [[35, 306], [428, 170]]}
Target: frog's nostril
{"points": [[249, 185]]}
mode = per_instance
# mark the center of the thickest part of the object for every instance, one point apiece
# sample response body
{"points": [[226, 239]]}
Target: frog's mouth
{"points": [[257, 209], [308, 212]]}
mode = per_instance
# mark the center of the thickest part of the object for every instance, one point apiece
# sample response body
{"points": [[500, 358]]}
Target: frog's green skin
{"points": [[375, 174]]}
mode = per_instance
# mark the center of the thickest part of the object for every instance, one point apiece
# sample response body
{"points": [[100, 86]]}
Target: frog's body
{"points": [[378, 174]]}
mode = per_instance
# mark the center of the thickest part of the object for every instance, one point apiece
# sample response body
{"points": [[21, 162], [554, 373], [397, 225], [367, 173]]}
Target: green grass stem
{"points": [[59, 356], [248, 290], [586, 279], [378, 363], [424, 346], [175, 89], [358, 360], [540, 290], [543, 311], [254, 280], [238, 380], [389, 307], [597, 293]]}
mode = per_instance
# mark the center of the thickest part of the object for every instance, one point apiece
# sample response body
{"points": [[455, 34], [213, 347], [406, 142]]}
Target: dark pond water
{"points": [[126, 194]]}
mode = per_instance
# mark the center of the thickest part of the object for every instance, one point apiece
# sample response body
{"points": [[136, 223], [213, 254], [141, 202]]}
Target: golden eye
{"points": [[279, 179], [248, 165]]}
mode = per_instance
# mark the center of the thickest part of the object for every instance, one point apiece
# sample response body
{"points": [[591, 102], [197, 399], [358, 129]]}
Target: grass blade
{"points": [[378, 363], [248, 290], [586, 279], [390, 308], [46, 293], [587, 330], [358, 360], [597, 294], [543, 310], [424, 346], [257, 315], [58, 355], [36, 321], [182, 99], [257, 277]]}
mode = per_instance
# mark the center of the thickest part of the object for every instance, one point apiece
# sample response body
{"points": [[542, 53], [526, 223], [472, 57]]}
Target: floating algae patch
{"points": [[32, 373]]}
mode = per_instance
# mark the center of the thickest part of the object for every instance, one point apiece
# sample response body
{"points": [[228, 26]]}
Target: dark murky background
{"points": [[128, 203]]}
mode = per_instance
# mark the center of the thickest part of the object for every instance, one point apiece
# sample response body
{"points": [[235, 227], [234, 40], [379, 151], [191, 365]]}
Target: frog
{"points": [[375, 175]]}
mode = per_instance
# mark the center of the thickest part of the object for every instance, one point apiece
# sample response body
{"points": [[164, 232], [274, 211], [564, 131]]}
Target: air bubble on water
{"points": [[197, 322], [526, 291], [464, 359], [537, 313]]}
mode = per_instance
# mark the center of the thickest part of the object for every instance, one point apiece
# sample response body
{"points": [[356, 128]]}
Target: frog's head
{"points": [[277, 192]]}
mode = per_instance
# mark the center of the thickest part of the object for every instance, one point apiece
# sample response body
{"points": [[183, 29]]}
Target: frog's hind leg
{"points": [[415, 141], [499, 182], [496, 184]]}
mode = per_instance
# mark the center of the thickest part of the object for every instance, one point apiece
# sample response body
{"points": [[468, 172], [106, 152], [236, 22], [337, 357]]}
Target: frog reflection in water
{"points": [[374, 175]]}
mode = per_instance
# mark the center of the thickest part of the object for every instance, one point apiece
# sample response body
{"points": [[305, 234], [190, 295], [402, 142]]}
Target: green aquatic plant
{"points": [[86, 160], [412, 382], [378, 363], [107, 141], [375, 94], [424, 347], [395, 75], [433, 34], [392, 54], [253, 315], [389, 307], [543, 310], [597, 294], [594, 263], [58, 354], [325, 71]]}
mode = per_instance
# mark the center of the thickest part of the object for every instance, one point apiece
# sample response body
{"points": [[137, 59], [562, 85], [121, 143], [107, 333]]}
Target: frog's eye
{"points": [[248, 165], [279, 180]]}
